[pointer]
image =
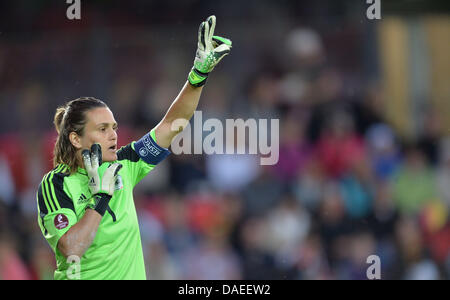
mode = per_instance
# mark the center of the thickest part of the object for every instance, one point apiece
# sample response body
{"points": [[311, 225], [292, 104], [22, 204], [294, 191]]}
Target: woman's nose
{"points": [[113, 135]]}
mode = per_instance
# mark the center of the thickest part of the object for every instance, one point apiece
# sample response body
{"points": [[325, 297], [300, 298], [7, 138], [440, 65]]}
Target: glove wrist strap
{"points": [[100, 204], [197, 78]]}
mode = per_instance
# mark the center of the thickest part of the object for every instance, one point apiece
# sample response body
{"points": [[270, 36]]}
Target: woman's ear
{"points": [[75, 140]]}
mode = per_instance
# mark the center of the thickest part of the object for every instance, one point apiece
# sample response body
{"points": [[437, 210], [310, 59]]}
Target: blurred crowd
{"points": [[347, 184]]}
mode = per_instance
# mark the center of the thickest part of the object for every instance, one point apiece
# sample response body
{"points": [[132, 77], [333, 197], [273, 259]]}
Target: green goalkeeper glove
{"points": [[102, 178], [210, 51]]}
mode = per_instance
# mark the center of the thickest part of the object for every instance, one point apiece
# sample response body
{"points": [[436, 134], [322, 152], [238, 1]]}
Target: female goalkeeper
{"points": [[85, 204]]}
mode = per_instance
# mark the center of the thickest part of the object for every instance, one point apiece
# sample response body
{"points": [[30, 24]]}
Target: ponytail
{"points": [[59, 115]]}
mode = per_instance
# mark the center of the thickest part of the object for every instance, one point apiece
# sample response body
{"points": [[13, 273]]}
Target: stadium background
{"points": [[364, 109]]}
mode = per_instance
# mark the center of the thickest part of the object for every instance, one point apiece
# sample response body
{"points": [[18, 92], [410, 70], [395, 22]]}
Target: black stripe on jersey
{"points": [[48, 187], [61, 196], [127, 153], [46, 193], [41, 201]]}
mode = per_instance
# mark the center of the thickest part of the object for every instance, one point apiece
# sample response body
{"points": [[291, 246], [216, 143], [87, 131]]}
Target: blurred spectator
{"points": [[353, 265], [333, 223], [308, 188], [383, 151], [431, 135], [414, 183], [383, 216], [295, 150], [339, 147], [161, 266], [326, 101], [305, 55], [369, 110], [413, 252], [305, 47], [178, 237], [423, 270], [356, 189], [288, 225], [257, 262], [211, 259], [262, 97], [312, 264], [381, 222], [262, 194], [231, 172], [185, 171], [435, 224]]}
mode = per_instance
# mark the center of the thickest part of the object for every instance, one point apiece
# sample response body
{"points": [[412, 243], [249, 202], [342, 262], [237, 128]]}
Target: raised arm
{"points": [[210, 51]]}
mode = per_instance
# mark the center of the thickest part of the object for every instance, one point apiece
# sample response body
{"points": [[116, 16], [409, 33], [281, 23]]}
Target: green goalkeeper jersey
{"points": [[116, 251]]}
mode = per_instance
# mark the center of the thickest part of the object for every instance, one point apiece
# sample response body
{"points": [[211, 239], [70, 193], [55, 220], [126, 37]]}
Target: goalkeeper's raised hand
{"points": [[102, 178], [210, 51]]}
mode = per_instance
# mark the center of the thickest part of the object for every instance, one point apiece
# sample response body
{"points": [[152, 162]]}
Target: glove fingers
{"points": [[112, 170], [221, 51], [218, 40], [119, 166], [212, 26], [96, 155], [201, 36], [207, 38], [86, 155], [109, 178]]}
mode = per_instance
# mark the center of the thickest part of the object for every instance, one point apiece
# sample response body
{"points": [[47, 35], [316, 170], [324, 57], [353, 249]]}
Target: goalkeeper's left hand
{"points": [[210, 50], [102, 179]]}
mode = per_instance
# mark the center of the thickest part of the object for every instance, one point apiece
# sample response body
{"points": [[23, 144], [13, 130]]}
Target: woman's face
{"points": [[101, 128]]}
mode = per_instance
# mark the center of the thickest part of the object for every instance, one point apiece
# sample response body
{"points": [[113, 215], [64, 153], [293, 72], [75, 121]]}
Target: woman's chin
{"points": [[109, 157]]}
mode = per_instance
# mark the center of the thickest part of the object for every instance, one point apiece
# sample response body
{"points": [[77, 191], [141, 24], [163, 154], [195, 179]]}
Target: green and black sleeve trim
{"points": [[50, 195]]}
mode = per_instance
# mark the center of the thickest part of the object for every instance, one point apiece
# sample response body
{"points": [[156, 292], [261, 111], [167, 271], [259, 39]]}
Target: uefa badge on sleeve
{"points": [[61, 221]]}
